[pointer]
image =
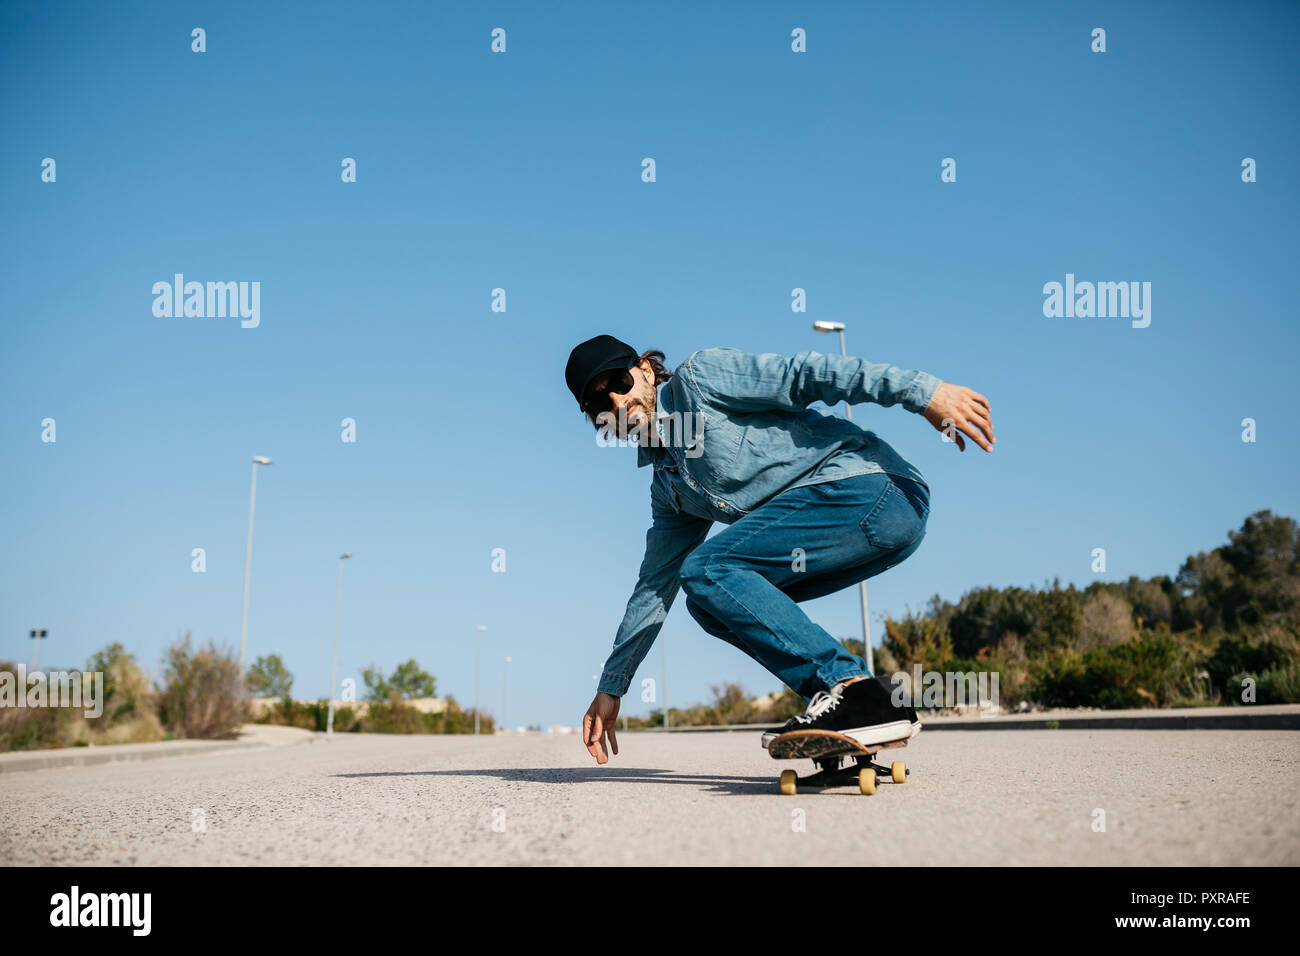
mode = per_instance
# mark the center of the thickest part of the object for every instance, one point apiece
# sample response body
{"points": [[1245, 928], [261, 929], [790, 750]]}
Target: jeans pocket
{"points": [[893, 522]]}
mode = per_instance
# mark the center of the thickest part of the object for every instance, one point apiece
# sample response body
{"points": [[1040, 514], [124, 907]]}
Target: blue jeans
{"points": [[743, 585]]}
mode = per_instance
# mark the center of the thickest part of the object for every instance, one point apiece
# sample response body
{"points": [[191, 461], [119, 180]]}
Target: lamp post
{"points": [[663, 677], [248, 560], [334, 659], [868, 653], [478, 637], [505, 694], [38, 634]]}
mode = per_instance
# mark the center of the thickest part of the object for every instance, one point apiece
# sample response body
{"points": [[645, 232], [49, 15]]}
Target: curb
{"points": [[1231, 721], [86, 756], [19, 760], [1285, 717]]}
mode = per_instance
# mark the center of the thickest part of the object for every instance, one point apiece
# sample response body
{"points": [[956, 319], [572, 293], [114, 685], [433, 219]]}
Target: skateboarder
{"points": [[814, 503]]}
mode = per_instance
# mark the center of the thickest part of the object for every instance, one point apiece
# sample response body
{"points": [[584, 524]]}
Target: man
{"points": [[814, 504]]}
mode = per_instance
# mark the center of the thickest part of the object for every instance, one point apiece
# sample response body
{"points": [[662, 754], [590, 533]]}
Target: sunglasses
{"points": [[599, 402]]}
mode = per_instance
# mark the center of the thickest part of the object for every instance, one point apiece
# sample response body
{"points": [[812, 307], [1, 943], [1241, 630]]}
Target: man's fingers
{"points": [[613, 740], [980, 418], [589, 738], [974, 432]]}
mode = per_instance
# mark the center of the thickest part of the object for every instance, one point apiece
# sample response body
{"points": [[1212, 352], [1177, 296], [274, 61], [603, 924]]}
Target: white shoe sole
{"points": [[879, 734]]}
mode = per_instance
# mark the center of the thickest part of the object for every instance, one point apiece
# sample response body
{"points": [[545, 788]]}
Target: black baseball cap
{"points": [[604, 353]]}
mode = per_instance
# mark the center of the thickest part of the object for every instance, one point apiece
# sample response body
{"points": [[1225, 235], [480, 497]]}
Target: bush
{"points": [[392, 716], [1279, 685], [128, 712], [130, 701], [1142, 673], [204, 693], [28, 728], [1238, 654], [453, 720]]}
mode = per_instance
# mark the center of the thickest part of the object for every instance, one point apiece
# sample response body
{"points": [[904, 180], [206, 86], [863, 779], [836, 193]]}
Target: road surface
{"points": [[1123, 797]]}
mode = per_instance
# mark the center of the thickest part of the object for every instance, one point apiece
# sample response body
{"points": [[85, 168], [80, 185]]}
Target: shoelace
{"points": [[821, 703]]}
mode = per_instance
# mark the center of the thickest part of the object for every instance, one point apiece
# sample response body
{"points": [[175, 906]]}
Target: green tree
{"points": [[268, 677], [408, 680], [377, 686], [1254, 579]]}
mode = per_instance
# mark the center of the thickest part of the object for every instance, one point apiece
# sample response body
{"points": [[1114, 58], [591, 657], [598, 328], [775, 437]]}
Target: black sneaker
{"points": [[862, 710]]}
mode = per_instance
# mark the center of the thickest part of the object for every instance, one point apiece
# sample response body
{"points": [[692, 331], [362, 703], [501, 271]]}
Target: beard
{"points": [[638, 416]]}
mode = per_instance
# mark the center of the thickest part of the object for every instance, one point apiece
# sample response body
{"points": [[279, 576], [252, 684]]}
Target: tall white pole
{"points": [[478, 640], [334, 660], [663, 677], [505, 694], [868, 652], [248, 568]]}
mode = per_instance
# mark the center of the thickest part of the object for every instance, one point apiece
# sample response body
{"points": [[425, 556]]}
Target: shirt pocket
{"points": [[721, 444]]}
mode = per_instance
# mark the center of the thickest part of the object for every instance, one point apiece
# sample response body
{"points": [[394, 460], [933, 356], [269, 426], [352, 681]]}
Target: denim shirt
{"points": [[758, 439]]}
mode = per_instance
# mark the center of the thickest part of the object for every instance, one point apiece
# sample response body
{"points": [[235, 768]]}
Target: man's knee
{"points": [[692, 574]]}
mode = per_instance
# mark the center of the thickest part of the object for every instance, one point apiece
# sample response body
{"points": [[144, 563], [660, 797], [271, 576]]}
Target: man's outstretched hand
{"points": [[598, 724], [955, 410]]}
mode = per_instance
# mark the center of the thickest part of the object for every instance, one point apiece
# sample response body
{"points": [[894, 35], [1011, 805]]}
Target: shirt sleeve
{"points": [[672, 536], [747, 382]]}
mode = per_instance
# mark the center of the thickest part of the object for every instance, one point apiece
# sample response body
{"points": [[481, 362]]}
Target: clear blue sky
{"points": [[522, 171]]}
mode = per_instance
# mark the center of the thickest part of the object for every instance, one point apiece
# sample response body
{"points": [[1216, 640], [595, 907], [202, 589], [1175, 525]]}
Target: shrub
{"points": [[1238, 654], [1278, 685], [392, 716], [1145, 672], [204, 693]]}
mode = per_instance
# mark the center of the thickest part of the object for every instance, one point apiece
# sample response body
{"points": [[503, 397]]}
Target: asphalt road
{"points": [[1192, 798]]}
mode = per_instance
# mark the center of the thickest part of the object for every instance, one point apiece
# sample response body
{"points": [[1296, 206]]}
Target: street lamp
{"points": [[505, 695], [862, 585], [478, 637], [38, 634], [248, 560], [334, 660], [663, 677]]}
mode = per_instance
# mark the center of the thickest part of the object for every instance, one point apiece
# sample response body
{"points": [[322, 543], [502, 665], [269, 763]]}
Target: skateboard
{"points": [[831, 750]]}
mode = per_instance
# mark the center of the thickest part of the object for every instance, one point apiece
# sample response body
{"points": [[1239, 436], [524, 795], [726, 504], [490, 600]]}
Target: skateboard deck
{"points": [[828, 750]]}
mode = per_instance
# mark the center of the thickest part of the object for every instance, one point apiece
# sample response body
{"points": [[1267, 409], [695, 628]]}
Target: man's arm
{"points": [[748, 382], [672, 536]]}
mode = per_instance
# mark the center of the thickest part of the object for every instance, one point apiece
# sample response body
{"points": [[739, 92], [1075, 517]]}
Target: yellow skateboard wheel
{"points": [[789, 783], [867, 781], [898, 771]]}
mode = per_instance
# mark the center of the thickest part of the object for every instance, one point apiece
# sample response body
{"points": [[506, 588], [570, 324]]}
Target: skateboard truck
{"points": [[862, 770]]}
